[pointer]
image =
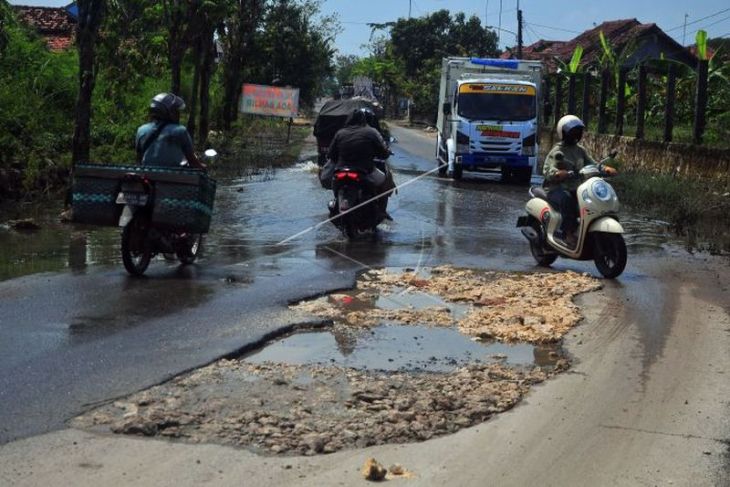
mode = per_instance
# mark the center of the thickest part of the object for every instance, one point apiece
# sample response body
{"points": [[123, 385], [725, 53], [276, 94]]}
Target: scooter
{"points": [[352, 210], [600, 235], [141, 240]]}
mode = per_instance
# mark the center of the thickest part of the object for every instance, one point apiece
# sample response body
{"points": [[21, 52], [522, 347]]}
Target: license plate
{"points": [[137, 199]]}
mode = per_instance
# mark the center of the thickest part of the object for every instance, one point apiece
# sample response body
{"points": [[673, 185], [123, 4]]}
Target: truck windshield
{"points": [[496, 106]]}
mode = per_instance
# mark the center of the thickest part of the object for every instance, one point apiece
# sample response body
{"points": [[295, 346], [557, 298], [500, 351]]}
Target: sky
{"points": [[544, 19]]}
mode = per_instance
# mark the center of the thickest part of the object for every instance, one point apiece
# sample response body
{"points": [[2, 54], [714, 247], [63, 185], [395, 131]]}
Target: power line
{"points": [[555, 28], [699, 20], [710, 25]]}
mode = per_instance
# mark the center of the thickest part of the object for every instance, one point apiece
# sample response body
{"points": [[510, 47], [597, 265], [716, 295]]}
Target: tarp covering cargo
{"points": [[334, 113]]}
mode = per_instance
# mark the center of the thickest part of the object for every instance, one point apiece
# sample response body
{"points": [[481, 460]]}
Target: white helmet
{"points": [[568, 123]]}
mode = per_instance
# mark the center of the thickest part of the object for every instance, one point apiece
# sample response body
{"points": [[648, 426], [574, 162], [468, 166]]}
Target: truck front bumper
{"points": [[486, 160]]}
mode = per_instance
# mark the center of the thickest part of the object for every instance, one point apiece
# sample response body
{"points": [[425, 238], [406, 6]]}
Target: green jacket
{"points": [[575, 158]]}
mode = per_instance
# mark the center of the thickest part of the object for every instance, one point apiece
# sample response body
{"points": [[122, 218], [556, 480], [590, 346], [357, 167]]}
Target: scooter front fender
{"points": [[606, 224]]}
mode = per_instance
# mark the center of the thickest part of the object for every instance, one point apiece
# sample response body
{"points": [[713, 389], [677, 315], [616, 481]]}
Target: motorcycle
{"points": [[352, 210], [600, 235], [142, 240]]}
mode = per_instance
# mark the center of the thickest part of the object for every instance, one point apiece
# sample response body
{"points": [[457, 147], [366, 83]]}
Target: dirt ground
{"points": [[309, 409]]}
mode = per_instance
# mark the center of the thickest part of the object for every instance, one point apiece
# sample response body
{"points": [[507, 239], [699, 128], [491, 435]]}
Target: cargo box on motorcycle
{"points": [[182, 198]]}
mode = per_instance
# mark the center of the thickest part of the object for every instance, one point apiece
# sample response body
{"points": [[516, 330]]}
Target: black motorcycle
{"points": [[355, 210], [141, 239]]}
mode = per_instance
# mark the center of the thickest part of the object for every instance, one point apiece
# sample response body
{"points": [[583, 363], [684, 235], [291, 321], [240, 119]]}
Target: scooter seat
{"points": [[538, 192]]}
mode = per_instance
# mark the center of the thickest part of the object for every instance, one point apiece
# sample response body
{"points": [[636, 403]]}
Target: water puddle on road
{"points": [[402, 348]]}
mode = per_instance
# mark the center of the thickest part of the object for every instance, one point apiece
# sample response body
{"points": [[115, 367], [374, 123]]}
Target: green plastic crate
{"points": [[183, 198]]}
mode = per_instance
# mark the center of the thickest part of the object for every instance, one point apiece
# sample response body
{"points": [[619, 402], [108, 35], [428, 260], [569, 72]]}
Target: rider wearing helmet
{"points": [[561, 166], [163, 141], [357, 145]]}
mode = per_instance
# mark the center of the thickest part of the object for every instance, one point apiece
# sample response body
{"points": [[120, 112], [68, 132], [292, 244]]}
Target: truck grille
{"points": [[496, 146]]}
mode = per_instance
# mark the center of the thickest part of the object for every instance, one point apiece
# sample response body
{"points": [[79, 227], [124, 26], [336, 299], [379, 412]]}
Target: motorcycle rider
{"points": [[163, 141], [357, 145], [562, 164]]}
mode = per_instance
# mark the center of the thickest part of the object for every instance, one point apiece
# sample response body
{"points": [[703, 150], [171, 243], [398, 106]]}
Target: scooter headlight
{"points": [[602, 190]]}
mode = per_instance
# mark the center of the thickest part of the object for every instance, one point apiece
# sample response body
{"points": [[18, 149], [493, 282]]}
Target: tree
{"points": [[176, 15], [89, 18], [237, 37], [417, 45], [344, 66], [292, 50]]}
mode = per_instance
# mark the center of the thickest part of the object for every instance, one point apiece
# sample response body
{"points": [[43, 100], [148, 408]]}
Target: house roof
{"points": [[650, 43], [55, 24]]}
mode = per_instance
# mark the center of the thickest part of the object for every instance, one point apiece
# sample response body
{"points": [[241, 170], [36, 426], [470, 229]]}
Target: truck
{"points": [[488, 117]]}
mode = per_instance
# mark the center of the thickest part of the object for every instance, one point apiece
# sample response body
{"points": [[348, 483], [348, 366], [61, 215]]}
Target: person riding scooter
{"points": [[561, 165], [163, 141], [357, 145]]}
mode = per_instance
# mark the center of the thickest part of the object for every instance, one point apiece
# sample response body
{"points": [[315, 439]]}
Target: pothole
{"points": [[410, 356], [401, 348]]}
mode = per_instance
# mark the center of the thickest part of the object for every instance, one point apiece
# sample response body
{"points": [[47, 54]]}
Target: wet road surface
{"points": [[77, 330]]}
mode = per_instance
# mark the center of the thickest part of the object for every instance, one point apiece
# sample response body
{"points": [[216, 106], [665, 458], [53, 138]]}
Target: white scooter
{"points": [[600, 235]]}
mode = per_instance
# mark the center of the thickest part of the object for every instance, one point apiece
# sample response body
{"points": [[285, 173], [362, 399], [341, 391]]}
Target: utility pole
{"points": [[519, 31], [486, 14], [499, 28], [684, 30], [410, 4]]}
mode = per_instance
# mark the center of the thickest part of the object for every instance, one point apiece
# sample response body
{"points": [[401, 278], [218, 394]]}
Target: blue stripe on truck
{"points": [[482, 159]]}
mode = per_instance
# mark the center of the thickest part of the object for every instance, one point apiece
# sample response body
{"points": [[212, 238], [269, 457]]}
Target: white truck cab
{"points": [[488, 117]]}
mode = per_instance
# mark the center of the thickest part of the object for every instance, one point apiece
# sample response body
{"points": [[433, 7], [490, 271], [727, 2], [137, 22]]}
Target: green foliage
{"points": [[409, 62], [291, 49], [290, 42], [701, 40], [574, 64], [37, 98], [690, 206]]}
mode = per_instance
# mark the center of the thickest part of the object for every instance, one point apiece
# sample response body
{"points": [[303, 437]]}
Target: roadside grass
{"points": [[698, 210], [256, 142]]}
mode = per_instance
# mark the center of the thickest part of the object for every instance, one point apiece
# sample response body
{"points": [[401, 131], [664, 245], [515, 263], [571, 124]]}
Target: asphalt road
{"points": [[646, 402]]}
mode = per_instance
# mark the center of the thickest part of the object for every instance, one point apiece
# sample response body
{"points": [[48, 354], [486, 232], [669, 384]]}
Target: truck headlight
{"points": [[528, 146], [462, 142]]}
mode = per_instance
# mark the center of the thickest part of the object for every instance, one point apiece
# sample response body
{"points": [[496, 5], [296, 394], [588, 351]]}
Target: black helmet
{"points": [[166, 106], [357, 117]]}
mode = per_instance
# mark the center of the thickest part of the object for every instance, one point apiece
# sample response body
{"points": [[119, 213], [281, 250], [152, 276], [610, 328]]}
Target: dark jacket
{"points": [[357, 146]]}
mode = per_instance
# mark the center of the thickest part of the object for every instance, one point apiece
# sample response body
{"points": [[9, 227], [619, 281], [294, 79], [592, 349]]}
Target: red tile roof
{"points": [[619, 33], [56, 25]]}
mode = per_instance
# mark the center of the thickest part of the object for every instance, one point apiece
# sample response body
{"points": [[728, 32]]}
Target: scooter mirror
{"points": [[210, 153], [393, 140]]}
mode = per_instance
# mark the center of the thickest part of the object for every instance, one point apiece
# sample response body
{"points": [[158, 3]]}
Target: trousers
{"points": [[566, 202]]}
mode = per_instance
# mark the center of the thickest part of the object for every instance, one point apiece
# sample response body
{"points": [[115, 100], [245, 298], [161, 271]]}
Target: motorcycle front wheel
{"points": [[609, 254], [538, 253], [191, 250], [136, 251]]}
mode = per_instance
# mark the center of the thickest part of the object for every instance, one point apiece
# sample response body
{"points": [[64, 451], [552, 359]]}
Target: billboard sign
{"points": [[270, 100]]}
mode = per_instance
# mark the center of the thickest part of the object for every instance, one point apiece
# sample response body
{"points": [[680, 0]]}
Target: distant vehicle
{"points": [[600, 235], [488, 117], [332, 117]]}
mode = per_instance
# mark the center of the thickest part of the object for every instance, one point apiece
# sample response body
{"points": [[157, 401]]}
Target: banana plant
{"points": [[614, 61]]}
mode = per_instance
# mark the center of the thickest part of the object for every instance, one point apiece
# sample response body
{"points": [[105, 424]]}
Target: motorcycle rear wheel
{"points": [[136, 252], [190, 252], [609, 254]]}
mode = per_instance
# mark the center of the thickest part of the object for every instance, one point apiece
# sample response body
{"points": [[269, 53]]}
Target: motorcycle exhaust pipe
{"points": [[531, 235]]}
